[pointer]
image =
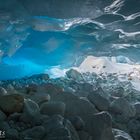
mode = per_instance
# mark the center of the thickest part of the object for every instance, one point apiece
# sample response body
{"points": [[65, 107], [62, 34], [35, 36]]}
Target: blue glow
{"points": [[40, 43]]}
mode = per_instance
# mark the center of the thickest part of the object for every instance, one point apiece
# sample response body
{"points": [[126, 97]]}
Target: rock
{"points": [[55, 121], [12, 134], [10, 89], [77, 122], [59, 134], [133, 128], [74, 75], [52, 108], [15, 117], [121, 135], [73, 132], [51, 89], [84, 135], [59, 128], [2, 116], [79, 107], [137, 107], [3, 91], [4, 126], [43, 118], [123, 107], [118, 92], [35, 133], [99, 126], [31, 112], [55, 130], [11, 103], [31, 88], [40, 77], [99, 101], [75, 106], [82, 89], [40, 98]]}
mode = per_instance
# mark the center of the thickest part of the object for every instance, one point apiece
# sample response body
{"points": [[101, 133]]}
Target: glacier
{"points": [[52, 43]]}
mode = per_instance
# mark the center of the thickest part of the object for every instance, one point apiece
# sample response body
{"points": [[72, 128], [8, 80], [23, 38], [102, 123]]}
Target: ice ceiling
{"points": [[37, 36]]}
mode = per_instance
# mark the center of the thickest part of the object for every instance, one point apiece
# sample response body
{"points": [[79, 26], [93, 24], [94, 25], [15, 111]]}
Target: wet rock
{"points": [[117, 92], [76, 106], [133, 128], [79, 107], [15, 117], [123, 107], [59, 134], [2, 116], [11, 103], [74, 75], [137, 107], [99, 126], [31, 88], [73, 133], [35, 133], [84, 135], [40, 77], [53, 108], [53, 122], [31, 112], [4, 126], [58, 128], [3, 91], [40, 98], [10, 88], [121, 135], [55, 129], [77, 122], [12, 134], [52, 89], [99, 101]]}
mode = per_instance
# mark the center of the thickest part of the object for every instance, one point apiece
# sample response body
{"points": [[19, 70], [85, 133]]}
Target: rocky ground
{"points": [[76, 107]]}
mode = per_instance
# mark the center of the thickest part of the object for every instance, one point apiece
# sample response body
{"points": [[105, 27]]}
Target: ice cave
{"points": [[87, 48]]}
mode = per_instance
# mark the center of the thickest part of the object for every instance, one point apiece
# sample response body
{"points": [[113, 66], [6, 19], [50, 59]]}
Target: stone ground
{"points": [[70, 108]]}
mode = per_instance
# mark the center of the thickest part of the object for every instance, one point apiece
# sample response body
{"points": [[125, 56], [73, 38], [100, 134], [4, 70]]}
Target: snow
{"points": [[106, 65]]}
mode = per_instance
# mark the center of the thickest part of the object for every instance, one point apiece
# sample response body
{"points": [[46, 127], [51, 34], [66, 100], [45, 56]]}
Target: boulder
{"points": [[73, 132], [133, 128], [123, 107], [121, 135], [74, 75], [11, 103], [137, 107], [99, 126], [117, 92], [12, 134], [79, 107], [31, 88], [53, 108], [40, 98], [35, 133], [3, 91], [75, 106], [59, 128], [31, 112], [99, 101], [14, 117], [84, 135], [77, 122], [4, 126], [51, 89], [2, 116]]}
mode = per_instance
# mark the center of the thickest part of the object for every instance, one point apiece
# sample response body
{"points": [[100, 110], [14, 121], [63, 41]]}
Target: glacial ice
{"points": [[31, 44]]}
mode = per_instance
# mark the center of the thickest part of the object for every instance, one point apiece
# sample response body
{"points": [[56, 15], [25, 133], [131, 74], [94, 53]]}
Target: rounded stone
{"points": [[11, 103], [53, 108]]}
